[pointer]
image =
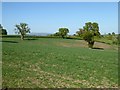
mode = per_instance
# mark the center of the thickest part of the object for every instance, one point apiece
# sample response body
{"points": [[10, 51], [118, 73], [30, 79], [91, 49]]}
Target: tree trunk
{"points": [[22, 37], [63, 36], [90, 44]]}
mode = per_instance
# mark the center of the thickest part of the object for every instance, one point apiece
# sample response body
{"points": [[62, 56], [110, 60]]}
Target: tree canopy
{"points": [[2, 30], [63, 32], [22, 29], [89, 31]]}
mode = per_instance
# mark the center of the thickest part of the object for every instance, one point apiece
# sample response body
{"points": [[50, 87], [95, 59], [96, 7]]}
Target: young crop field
{"points": [[58, 63]]}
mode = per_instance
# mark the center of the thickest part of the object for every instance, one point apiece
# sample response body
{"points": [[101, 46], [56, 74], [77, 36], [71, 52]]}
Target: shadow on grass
{"points": [[9, 41], [31, 39], [72, 38], [98, 48]]}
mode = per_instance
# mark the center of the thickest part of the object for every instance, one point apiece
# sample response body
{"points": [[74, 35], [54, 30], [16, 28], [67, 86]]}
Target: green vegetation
{"points": [[22, 29], [89, 31], [2, 30], [109, 39], [56, 62], [52, 62], [62, 32]]}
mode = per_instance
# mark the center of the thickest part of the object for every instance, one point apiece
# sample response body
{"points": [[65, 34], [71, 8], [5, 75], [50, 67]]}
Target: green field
{"points": [[58, 63]]}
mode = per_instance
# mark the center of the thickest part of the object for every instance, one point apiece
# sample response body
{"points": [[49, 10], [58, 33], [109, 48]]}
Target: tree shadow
{"points": [[31, 39], [98, 48], [9, 41]]}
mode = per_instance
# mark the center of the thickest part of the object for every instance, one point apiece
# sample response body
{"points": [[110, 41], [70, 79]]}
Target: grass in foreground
{"points": [[53, 63]]}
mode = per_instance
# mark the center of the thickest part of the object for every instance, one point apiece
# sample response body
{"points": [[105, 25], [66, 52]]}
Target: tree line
{"points": [[88, 32]]}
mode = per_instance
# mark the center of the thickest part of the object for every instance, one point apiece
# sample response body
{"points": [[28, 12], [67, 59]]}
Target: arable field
{"points": [[58, 63]]}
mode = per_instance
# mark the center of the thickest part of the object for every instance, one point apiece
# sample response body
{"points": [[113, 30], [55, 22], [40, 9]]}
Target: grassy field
{"points": [[58, 63]]}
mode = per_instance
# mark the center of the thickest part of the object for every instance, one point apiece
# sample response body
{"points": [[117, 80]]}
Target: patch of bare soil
{"points": [[82, 43], [77, 43], [103, 45]]}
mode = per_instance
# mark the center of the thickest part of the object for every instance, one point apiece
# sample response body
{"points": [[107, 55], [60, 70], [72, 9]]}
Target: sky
{"points": [[48, 17], [60, 0]]}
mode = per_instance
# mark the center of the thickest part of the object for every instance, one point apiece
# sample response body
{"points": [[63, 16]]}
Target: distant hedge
{"points": [[10, 36], [18, 36]]}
